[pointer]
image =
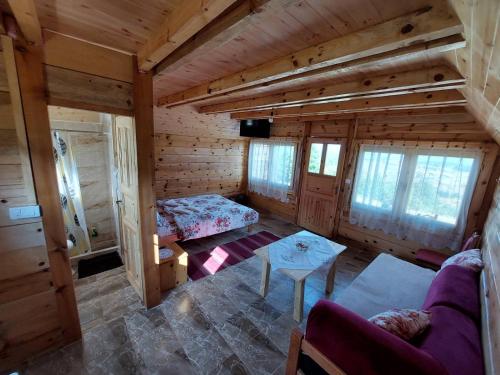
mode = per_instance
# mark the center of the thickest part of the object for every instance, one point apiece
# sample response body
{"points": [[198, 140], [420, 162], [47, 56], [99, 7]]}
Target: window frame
{"points": [[273, 141], [402, 194], [325, 143]]}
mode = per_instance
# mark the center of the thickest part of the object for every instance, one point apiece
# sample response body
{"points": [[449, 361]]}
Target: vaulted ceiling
{"points": [[228, 38]]}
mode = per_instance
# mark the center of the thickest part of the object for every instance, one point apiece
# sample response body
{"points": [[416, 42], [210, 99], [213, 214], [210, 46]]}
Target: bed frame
{"points": [[165, 240]]}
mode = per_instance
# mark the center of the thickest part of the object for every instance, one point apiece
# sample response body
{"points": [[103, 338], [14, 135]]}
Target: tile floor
{"points": [[216, 325]]}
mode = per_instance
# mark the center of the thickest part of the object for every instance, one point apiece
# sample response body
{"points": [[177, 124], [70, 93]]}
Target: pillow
{"points": [[404, 323], [469, 259]]}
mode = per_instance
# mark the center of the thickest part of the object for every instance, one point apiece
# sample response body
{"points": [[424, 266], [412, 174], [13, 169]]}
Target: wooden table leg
{"points": [[330, 279], [264, 281], [298, 303]]}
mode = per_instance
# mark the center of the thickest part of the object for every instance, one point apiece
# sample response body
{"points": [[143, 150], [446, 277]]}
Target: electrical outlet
{"points": [[24, 212]]}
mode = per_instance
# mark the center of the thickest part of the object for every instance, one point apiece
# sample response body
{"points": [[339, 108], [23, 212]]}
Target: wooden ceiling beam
{"points": [[427, 24], [415, 51], [440, 77], [448, 110], [233, 22], [417, 100], [180, 25], [26, 16]]}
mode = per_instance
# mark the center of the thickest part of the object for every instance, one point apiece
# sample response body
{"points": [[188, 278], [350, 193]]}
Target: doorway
{"points": [[96, 164], [321, 184]]}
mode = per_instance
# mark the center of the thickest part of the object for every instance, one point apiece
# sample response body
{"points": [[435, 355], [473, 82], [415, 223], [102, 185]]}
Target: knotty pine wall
{"points": [[491, 278], [29, 316], [285, 210], [448, 126], [198, 154]]}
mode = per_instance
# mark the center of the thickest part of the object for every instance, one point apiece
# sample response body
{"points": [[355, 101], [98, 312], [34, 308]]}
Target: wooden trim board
{"points": [[144, 128], [29, 63]]}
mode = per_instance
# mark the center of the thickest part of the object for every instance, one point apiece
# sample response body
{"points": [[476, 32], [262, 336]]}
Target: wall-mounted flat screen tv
{"points": [[255, 128]]}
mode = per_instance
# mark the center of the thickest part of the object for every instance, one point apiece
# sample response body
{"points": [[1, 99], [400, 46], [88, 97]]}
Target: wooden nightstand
{"points": [[173, 270]]}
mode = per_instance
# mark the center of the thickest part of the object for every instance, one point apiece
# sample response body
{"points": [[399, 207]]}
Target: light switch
{"points": [[24, 212]]}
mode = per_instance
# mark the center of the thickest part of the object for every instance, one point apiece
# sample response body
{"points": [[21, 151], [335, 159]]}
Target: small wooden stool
{"points": [[173, 269]]}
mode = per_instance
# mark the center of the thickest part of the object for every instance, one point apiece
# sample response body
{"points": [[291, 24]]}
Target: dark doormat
{"points": [[98, 264]]}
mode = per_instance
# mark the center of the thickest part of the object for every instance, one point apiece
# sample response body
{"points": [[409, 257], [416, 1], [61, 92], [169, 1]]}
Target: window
{"points": [[271, 165], [315, 157], [324, 158], [377, 179], [415, 193]]}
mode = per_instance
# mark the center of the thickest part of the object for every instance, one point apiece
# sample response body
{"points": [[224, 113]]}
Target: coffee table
{"points": [[298, 275]]}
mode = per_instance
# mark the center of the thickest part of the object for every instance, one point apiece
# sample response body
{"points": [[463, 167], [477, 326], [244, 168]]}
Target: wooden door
{"points": [[128, 198], [321, 181]]}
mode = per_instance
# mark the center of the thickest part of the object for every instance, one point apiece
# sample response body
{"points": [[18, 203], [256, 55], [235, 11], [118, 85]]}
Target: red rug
{"points": [[212, 261]]}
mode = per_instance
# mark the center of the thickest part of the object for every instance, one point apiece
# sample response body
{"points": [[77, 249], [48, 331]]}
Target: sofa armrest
{"points": [[357, 346], [432, 257]]}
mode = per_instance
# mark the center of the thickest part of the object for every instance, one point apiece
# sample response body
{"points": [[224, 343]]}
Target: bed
{"points": [[200, 216]]}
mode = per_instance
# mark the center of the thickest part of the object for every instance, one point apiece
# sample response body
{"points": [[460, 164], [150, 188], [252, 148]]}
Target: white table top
{"points": [[297, 274]]}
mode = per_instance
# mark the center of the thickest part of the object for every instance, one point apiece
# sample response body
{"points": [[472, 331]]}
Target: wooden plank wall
{"points": [[90, 143], [453, 129], [450, 126], [198, 154], [29, 317], [284, 210], [491, 278]]}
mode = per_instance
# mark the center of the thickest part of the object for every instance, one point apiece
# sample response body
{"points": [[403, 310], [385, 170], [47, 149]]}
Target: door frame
{"points": [[339, 176]]}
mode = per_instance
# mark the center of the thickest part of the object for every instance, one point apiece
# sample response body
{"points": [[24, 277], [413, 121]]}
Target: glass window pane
{"points": [[282, 165], [438, 187], [331, 159], [315, 158], [377, 179]]}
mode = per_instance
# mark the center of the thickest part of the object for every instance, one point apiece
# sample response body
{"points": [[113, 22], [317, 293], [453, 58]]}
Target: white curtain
{"points": [[415, 193], [70, 194], [271, 165]]}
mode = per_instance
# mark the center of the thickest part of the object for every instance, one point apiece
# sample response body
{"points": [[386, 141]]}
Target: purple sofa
{"points": [[451, 345]]}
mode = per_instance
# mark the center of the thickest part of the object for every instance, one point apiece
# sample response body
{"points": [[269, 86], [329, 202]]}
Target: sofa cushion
{"points": [[375, 290], [404, 323], [453, 339], [456, 287]]}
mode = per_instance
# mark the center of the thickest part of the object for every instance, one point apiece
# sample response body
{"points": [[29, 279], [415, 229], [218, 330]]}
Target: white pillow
{"points": [[469, 259]]}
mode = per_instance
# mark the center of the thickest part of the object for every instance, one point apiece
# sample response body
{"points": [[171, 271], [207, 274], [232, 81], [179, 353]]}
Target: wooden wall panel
{"points": [[29, 316], [69, 88], [70, 53], [198, 154], [491, 279], [447, 126], [284, 210]]}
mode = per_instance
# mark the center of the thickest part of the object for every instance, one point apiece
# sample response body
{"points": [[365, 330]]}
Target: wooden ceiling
{"points": [[120, 24], [201, 48], [282, 27]]}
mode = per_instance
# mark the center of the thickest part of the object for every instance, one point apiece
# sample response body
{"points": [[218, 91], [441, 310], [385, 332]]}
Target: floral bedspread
{"points": [[201, 216]]}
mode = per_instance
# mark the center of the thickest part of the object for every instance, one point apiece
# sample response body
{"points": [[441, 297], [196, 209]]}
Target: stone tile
{"points": [[204, 346], [86, 292], [120, 303], [155, 342], [91, 314], [254, 349], [281, 330], [112, 284], [217, 325]]}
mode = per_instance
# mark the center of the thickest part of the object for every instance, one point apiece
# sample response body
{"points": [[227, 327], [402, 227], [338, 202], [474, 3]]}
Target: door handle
{"points": [[118, 201]]}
